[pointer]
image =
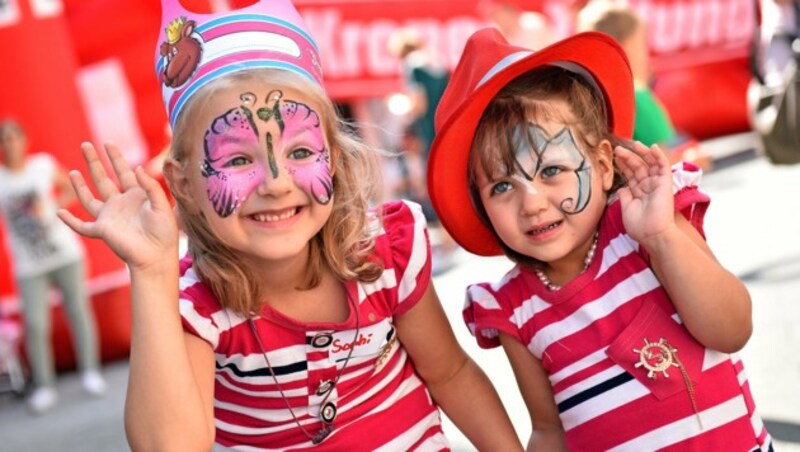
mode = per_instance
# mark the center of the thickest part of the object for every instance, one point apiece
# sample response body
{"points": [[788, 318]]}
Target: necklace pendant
{"points": [[328, 413], [384, 353], [322, 434]]}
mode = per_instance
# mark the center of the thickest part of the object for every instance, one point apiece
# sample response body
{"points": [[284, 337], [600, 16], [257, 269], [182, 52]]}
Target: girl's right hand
{"points": [[137, 222], [647, 200]]}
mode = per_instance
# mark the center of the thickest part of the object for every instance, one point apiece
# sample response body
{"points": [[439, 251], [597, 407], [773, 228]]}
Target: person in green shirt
{"points": [[652, 124]]}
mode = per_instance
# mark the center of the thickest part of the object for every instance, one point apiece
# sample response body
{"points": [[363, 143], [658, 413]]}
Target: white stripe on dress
{"points": [[280, 416], [434, 443], [188, 279], [513, 273], [589, 382], [527, 310], [203, 325], [483, 298], [579, 365], [410, 436], [617, 248], [603, 403], [712, 358], [687, 427], [387, 280], [632, 287], [299, 392], [416, 261]]}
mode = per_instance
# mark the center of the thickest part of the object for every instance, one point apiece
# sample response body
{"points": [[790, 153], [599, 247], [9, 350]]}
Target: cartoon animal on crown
{"points": [[181, 52]]}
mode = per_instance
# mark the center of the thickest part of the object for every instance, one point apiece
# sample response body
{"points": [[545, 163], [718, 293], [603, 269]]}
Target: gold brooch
{"points": [[660, 356], [384, 353], [656, 357]]}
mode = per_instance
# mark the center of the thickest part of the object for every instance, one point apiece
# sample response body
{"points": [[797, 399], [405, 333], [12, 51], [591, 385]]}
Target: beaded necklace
{"points": [[586, 263]]}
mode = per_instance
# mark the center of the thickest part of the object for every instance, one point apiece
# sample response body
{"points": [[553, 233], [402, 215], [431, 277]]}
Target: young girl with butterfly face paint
{"points": [[617, 319], [300, 318]]}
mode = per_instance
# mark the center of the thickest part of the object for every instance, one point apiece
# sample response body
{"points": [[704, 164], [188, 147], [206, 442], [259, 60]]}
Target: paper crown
{"points": [[194, 48]]}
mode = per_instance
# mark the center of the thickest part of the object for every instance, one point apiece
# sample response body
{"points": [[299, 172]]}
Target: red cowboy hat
{"points": [[487, 64]]}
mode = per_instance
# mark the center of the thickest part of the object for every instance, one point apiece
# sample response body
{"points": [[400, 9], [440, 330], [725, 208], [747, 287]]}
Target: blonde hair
{"points": [[526, 97], [346, 241]]}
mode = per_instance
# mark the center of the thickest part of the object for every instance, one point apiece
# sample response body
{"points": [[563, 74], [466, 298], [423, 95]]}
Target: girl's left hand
{"points": [[647, 201]]}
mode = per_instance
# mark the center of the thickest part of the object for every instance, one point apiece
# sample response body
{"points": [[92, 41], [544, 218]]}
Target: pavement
{"points": [[752, 225]]}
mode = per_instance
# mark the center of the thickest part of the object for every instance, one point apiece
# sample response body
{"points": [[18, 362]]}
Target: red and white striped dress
{"points": [[382, 404], [589, 335]]}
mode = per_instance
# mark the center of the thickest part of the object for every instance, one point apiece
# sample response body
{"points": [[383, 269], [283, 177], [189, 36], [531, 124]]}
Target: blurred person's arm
{"points": [[419, 100], [64, 191]]}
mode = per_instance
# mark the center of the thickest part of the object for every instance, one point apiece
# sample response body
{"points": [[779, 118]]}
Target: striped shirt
{"points": [[625, 373], [381, 403]]}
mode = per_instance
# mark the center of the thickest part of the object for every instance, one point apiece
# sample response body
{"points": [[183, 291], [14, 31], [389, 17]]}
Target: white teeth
{"points": [[546, 228], [268, 217]]}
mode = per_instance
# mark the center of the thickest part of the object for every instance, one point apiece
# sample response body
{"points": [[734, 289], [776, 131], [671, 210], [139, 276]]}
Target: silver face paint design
{"points": [[525, 183], [551, 158]]}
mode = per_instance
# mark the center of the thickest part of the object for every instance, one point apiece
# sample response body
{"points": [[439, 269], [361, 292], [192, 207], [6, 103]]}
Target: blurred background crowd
{"points": [[78, 70]]}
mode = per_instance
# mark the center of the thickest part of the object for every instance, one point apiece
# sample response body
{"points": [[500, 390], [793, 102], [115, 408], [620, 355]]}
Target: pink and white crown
{"points": [[194, 48]]}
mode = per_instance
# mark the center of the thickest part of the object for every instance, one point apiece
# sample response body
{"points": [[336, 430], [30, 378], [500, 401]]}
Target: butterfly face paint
{"points": [[308, 159], [558, 161], [230, 142], [237, 159]]}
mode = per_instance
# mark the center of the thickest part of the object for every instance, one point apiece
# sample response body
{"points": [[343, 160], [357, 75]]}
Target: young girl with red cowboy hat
{"points": [[618, 321], [301, 318]]}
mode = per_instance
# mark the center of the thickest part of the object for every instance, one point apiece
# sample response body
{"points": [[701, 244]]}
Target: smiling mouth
{"points": [[271, 217], [549, 227]]}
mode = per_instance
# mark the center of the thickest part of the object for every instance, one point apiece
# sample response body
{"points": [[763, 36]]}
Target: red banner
{"points": [[352, 37], [684, 33]]}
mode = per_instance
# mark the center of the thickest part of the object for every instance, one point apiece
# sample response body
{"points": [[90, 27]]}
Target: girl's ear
{"points": [[335, 152], [177, 180], [605, 163]]}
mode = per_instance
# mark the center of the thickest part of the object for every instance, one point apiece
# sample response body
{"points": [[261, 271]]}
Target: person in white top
{"points": [[44, 251]]}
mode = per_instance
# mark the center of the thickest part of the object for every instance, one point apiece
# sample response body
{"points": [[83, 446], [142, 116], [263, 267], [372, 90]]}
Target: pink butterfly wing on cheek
{"points": [[302, 125], [227, 187]]}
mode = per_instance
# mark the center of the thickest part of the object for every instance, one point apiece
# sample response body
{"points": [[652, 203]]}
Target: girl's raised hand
{"points": [[136, 220], [647, 201]]}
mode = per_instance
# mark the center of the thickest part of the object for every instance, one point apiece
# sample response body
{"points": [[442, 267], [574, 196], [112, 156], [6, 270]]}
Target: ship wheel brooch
{"points": [[657, 357]]}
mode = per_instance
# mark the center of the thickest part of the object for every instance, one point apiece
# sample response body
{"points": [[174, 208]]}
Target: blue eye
{"points": [[500, 188], [300, 154], [237, 161], [550, 171]]}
